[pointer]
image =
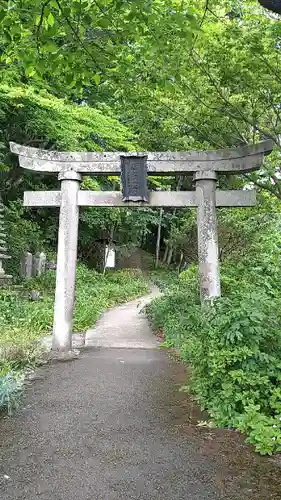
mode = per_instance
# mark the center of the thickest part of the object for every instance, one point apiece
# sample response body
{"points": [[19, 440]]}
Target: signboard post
{"points": [[109, 257]]}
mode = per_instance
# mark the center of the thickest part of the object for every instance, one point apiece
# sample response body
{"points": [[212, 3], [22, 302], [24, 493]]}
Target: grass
{"points": [[24, 322]]}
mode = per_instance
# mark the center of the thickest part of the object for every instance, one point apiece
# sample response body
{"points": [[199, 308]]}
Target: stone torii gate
{"points": [[203, 165]]}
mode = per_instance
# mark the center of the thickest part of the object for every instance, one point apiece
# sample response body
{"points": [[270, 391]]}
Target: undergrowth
{"points": [[234, 345], [10, 390], [23, 321]]}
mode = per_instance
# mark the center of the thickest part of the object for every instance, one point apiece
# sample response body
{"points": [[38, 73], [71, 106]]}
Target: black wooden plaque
{"points": [[134, 178]]}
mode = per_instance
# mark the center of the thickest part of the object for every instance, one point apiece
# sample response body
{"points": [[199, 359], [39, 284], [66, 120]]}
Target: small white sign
{"points": [[109, 257]]}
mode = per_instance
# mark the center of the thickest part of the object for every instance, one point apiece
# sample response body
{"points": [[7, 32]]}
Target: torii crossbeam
{"points": [[203, 165]]}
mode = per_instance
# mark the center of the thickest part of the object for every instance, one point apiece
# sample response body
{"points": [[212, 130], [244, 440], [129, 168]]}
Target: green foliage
{"points": [[22, 235], [104, 291], [233, 345], [41, 120], [10, 391], [164, 278], [127, 61], [33, 117], [24, 322], [81, 43], [182, 75]]}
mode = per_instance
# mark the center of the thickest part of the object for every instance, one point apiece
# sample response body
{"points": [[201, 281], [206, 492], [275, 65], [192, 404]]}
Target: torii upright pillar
{"points": [[208, 248], [66, 260], [203, 165]]}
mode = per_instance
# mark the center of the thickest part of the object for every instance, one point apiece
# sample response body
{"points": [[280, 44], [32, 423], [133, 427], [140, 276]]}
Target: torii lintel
{"points": [[236, 160]]}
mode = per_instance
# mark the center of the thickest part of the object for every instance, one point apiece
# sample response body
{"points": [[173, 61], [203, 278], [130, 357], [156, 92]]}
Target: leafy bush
{"points": [[164, 278], [233, 346], [27, 115]]}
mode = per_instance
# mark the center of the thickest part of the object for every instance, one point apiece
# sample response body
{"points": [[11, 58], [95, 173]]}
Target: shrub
{"points": [[234, 345]]}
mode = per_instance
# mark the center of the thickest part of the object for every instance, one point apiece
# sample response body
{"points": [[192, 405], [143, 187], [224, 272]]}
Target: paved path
{"points": [[124, 326], [112, 425]]}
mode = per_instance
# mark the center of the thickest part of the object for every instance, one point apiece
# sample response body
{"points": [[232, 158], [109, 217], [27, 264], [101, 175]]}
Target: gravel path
{"points": [[113, 425]]}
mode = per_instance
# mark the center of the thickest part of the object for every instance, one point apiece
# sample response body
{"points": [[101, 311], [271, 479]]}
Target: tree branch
{"points": [[265, 187]]}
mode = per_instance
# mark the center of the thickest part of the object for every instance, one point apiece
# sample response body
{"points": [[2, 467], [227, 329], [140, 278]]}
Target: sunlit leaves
{"points": [[99, 34]]}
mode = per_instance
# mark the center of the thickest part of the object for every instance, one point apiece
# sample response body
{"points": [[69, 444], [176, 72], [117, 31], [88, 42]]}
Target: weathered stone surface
{"points": [[26, 265], [184, 167], [51, 265], [34, 295], [155, 199], [204, 164], [66, 261], [42, 198], [78, 341], [204, 155], [242, 159], [207, 237], [39, 264]]}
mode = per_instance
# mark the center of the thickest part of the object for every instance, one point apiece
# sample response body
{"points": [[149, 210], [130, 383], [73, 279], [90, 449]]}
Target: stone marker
{"points": [[109, 257], [39, 264], [26, 265]]}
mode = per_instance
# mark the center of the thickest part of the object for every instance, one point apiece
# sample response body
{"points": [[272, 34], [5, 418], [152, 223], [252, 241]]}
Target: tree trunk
{"points": [[165, 254], [180, 262], [158, 238], [170, 256]]}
